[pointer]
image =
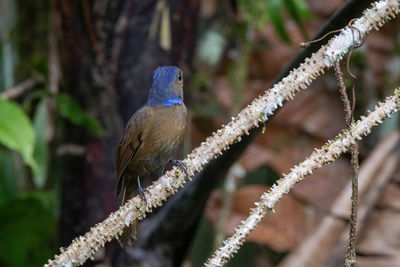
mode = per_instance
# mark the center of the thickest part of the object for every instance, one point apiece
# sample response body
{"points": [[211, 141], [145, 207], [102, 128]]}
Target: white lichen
{"points": [[128, 219]]}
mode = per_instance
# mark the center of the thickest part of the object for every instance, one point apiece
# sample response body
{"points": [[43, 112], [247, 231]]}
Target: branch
{"points": [[351, 252], [22, 87], [166, 231], [349, 10], [257, 112], [321, 246], [320, 157]]}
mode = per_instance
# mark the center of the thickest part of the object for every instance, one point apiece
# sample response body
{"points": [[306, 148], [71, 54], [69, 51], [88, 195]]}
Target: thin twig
{"points": [[343, 94], [22, 88], [353, 93], [306, 44], [357, 44], [351, 252]]}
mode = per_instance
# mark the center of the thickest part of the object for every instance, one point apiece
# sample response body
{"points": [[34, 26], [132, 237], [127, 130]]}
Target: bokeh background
{"points": [[73, 72]]}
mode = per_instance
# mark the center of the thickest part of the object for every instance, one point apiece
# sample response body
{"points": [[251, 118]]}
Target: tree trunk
{"points": [[107, 57]]}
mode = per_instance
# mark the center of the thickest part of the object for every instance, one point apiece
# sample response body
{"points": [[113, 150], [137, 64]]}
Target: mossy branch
{"points": [[257, 112]]}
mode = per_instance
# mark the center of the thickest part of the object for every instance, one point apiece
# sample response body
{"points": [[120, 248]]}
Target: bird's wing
{"points": [[131, 142]]}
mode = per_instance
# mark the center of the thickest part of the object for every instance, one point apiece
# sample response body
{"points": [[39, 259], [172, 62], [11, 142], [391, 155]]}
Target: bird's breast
{"points": [[166, 133], [169, 122]]}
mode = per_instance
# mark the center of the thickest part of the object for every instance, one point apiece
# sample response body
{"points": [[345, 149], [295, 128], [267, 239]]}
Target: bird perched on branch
{"points": [[151, 138]]}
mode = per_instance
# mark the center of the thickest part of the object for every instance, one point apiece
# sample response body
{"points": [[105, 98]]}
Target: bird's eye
{"points": [[180, 76]]}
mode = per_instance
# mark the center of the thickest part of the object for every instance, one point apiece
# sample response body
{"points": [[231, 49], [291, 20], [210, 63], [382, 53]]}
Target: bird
{"points": [[151, 138]]}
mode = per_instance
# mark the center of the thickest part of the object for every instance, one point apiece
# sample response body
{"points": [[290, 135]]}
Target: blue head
{"points": [[167, 87]]}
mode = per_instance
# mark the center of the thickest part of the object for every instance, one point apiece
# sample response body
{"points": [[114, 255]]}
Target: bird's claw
{"points": [[180, 164], [142, 195], [141, 191]]}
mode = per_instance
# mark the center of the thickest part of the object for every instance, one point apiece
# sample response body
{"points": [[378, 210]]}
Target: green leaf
{"points": [[93, 125], [72, 111], [275, 15], [40, 122], [258, 11], [299, 12], [302, 9], [254, 11], [16, 131], [264, 175], [8, 183], [26, 230]]}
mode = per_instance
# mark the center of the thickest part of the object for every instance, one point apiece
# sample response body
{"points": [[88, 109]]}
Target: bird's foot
{"points": [[141, 191], [142, 194], [180, 165]]}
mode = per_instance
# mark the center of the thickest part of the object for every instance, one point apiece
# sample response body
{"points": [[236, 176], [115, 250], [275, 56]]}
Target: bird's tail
{"points": [[130, 235], [131, 232]]}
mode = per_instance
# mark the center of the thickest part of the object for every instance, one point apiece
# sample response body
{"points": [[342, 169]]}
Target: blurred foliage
{"points": [[203, 243], [26, 230], [202, 248], [263, 175], [27, 215], [32, 45], [229, 35], [41, 122], [211, 47], [16, 131], [28, 200], [238, 69], [208, 109], [8, 181], [224, 49], [71, 110], [260, 11]]}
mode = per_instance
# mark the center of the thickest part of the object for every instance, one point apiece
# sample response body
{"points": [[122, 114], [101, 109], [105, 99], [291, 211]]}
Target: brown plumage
{"points": [[151, 137]]}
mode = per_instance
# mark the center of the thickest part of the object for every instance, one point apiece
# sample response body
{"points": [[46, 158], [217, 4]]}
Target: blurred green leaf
{"points": [[254, 11], [71, 110], [202, 243], [298, 9], [209, 109], [259, 11], [16, 131], [40, 122], [203, 246], [8, 183], [26, 230], [275, 15], [93, 125], [263, 175], [299, 12], [246, 256]]}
